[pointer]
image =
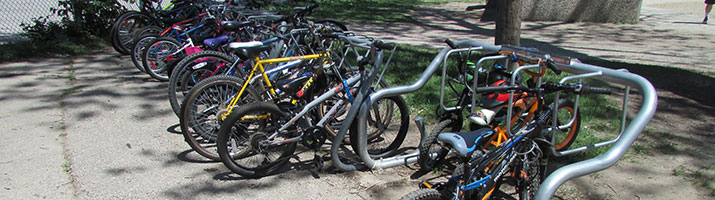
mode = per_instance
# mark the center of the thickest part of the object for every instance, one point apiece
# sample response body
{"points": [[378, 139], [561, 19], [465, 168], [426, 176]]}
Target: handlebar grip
{"points": [[553, 67], [383, 45], [597, 90], [498, 88], [450, 43]]}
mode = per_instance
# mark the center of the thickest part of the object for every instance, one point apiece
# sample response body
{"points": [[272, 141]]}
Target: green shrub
{"points": [[82, 25]]}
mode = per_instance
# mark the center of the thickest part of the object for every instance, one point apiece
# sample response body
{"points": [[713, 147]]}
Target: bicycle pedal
{"points": [[426, 184]]}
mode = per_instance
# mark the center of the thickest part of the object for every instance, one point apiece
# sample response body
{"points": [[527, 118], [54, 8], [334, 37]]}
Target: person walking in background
{"points": [[708, 8]]}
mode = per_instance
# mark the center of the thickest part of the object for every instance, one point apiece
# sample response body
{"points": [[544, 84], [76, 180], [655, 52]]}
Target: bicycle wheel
{"points": [[202, 109], [431, 145], [160, 56], [529, 184], [145, 36], [242, 140], [564, 137], [423, 194], [113, 31], [125, 29], [333, 125], [387, 124], [138, 51], [193, 69]]}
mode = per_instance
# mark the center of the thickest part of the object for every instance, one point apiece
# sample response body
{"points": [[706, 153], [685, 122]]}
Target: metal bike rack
{"points": [[627, 136], [340, 136], [571, 121], [476, 78], [557, 178]]}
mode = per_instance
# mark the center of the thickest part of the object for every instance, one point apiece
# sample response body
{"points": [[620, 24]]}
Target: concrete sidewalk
{"points": [[99, 129]]}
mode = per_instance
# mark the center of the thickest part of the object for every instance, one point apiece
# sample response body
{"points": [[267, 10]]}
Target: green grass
{"points": [[703, 177], [67, 167]]}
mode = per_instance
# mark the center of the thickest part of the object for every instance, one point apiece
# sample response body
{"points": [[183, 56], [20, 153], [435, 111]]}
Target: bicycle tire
{"points": [[160, 57], [147, 35], [423, 194], [113, 31], [424, 160], [209, 97], [572, 131], [131, 22], [527, 190], [334, 125], [377, 147], [235, 130], [178, 85], [138, 51]]}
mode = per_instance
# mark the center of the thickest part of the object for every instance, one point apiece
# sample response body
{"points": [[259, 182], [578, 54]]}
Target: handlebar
{"points": [[450, 43], [550, 64], [596, 90], [575, 88], [548, 87], [383, 45]]}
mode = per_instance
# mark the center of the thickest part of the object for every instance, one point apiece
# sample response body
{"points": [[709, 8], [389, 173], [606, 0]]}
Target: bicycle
{"points": [[202, 111], [151, 13], [148, 34], [197, 67], [524, 104], [552, 182], [260, 137], [161, 55], [520, 160]]}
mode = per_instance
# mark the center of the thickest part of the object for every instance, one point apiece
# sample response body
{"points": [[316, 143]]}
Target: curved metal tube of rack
{"points": [[558, 177], [626, 137]]}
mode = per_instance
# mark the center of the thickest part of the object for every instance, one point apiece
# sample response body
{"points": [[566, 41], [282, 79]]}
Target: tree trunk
{"points": [[508, 22]]}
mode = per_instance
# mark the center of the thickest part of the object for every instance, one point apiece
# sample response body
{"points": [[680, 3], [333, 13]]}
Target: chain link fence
{"points": [[15, 12]]}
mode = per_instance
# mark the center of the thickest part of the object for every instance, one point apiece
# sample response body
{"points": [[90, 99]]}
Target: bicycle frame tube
{"points": [[307, 108], [190, 30], [259, 66]]}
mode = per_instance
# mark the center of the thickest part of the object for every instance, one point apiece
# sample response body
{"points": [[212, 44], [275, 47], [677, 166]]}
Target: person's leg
{"points": [[708, 8]]}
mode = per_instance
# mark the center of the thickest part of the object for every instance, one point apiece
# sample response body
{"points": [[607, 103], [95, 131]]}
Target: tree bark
{"points": [[508, 22]]}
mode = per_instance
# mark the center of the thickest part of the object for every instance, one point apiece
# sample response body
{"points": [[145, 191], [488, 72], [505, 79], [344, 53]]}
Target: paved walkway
{"points": [[671, 37]]}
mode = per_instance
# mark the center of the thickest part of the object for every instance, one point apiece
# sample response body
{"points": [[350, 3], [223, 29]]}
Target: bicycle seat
{"points": [[464, 142], [247, 50], [213, 42], [235, 25]]}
